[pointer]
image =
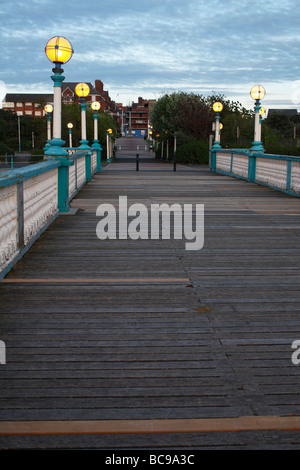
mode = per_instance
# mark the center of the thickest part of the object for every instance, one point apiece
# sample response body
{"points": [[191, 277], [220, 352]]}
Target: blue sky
{"points": [[148, 48]]}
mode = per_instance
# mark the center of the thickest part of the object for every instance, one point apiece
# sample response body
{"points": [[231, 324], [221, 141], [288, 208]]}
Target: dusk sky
{"points": [[148, 48]]}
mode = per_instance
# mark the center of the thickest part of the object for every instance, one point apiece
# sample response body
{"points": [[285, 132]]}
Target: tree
{"points": [[282, 124], [72, 113]]}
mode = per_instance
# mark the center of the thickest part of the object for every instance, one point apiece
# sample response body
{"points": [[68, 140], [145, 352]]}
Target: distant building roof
{"points": [[290, 112], [27, 97]]}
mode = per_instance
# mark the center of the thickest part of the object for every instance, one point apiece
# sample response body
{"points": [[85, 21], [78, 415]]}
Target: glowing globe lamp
{"points": [[82, 90], [59, 50], [48, 108], [217, 107], [95, 105], [257, 92]]}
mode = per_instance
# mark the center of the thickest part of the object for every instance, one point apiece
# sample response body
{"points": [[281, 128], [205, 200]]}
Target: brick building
{"points": [[32, 104], [27, 104], [137, 118], [97, 93]]}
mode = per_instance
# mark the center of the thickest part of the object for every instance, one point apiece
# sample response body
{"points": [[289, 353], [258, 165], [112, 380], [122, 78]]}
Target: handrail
{"points": [[32, 197], [280, 172], [9, 177]]}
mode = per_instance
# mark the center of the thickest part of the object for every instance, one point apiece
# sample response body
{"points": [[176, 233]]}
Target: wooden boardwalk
{"points": [[116, 339]]}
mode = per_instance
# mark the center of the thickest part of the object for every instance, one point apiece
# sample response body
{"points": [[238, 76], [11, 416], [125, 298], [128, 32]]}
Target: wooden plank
{"points": [[244, 423], [143, 329], [91, 280]]}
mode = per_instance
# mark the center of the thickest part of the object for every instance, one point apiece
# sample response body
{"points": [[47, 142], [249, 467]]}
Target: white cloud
{"points": [[152, 46]]}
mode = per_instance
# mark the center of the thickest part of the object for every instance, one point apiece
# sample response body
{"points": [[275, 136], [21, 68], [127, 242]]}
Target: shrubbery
{"points": [[6, 149], [195, 152], [37, 155]]}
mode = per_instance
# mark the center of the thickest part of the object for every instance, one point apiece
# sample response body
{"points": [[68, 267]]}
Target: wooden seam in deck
{"points": [[243, 423]]}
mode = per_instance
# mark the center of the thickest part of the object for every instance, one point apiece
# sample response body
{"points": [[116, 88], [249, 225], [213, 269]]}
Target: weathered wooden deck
{"points": [[139, 331]]}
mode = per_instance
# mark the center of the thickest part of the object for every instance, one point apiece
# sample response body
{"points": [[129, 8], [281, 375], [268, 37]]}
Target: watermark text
{"points": [[2, 352], [138, 222]]}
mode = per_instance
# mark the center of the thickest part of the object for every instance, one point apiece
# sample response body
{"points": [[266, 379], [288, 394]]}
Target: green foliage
{"points": [[281, 124], [31, 130], [37, 155], [190, 116], [72, 113], [4, 149], [182, 113], [278, 134], [195, 152]]}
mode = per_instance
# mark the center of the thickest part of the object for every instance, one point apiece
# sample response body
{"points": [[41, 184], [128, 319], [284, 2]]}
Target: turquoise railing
{"points": [[281, 172], [32, 197]]}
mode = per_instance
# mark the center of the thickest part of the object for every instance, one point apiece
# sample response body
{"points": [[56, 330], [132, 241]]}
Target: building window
{"points": [[8, 105], [20, 105], [28, 104], [38, 113]]}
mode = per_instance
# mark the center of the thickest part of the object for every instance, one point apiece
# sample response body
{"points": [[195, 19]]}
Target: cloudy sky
{"points": [[148, 48]]}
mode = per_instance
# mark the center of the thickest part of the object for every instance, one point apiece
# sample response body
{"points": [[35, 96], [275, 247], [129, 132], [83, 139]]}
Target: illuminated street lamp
{"points": [[108, 138], [48, 110], [59, 51], [217, 107], [221, 127], [257, 93], [96, 144], [70, 127], [95, 107], [82, 90]]}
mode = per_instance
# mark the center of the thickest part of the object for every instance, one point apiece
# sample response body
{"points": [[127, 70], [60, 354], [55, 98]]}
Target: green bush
{"points": [[6, 149], [277, 149], [195, 152], [37, 155]]}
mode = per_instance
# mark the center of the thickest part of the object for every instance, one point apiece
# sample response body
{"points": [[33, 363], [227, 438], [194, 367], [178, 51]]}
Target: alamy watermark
{"points": [[139, 222], [296, 354], [2, 353]]}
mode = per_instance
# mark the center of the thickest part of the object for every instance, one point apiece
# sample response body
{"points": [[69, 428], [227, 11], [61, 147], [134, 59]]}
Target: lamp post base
{"points": [[96, 146], [216, 145], [54, 148], [84, 145], [47, 146], [257, 147]]}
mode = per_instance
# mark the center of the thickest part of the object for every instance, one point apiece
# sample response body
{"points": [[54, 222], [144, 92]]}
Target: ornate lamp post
{"points": [[96, 144], [221, 127], [82, 90], [108, 152], [59, 51], [70, 127], [257, 93], [48, 110], [217, 107], [95, 107]]}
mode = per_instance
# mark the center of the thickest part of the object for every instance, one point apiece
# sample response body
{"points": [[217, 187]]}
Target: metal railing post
{"points": [[212, 160], [88, 172], [63, 184], [20, 215]]}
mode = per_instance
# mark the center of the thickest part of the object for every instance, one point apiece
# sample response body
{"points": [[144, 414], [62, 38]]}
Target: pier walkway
{"points": [[142, 344]]}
